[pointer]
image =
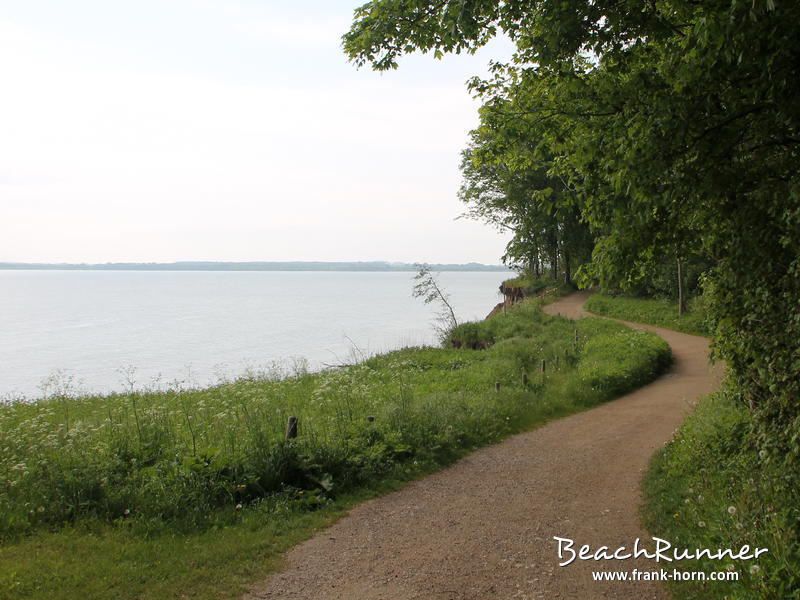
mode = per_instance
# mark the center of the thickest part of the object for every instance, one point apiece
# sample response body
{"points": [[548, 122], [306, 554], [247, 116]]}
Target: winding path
{"points": [[483, 528]]}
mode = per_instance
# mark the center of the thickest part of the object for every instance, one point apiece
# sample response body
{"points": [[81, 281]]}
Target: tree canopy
{"points": [[671, 127]]}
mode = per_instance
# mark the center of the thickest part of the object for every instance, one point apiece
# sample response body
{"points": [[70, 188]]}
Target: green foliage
{"points": [[711, 487], [176, 457], [660, 279], [607, 356], [611, 362], [150, 494], [544, 32], [523, 319], [674, 127], [535, 206], [662, 313]]}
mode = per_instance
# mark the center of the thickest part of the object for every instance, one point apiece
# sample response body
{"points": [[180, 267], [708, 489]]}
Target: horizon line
{"points": [[202, 265]]}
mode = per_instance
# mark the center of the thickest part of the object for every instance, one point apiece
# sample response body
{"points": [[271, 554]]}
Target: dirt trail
{"points": [[483, 528]]}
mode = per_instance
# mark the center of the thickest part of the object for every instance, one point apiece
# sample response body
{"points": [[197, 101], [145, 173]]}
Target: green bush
{"points": [[524, 319]]}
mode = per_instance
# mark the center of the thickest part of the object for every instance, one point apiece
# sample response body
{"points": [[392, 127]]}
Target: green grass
{"points": [[97, 561], [195, 493], [710, 488], [660, 312]]}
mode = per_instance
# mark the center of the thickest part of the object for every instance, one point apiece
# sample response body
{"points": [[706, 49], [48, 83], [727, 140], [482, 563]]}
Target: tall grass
{"points": [[711, 488], [196, 493], [177, 456], [656, 311]]}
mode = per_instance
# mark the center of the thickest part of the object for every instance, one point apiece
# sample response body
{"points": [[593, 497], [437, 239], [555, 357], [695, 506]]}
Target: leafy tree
{"points": [[526, 200], [676, 127]]}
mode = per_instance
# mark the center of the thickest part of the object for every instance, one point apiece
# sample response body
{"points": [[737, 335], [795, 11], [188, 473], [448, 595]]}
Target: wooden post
{"points": [[543, 365], [681, 299], [496, 386], [576, 336], [555, 361], [524, 379], [370, 419], [291, 428]]}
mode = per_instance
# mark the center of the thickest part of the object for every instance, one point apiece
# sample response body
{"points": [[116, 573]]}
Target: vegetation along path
{"points": [[484, 527]]}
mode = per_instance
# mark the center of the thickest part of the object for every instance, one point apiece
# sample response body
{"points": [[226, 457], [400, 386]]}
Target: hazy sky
{"points": [[226, 130]]}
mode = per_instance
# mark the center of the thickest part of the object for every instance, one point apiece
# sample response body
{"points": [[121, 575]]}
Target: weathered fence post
{"points": [[291, 428], [543, 365], [524, 379], [496, 386], [370, 419]]}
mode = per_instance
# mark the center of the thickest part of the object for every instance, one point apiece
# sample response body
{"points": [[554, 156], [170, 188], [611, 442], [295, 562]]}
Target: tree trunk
{"points": [[681, 299], [567, 268]]}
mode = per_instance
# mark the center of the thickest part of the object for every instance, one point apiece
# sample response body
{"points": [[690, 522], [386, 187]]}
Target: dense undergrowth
{"points": [[712, 487], [661, 312], [127, 470]]}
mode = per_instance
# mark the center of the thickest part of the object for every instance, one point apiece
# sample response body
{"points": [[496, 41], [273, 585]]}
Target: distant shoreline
{"points": [[245, 266]]}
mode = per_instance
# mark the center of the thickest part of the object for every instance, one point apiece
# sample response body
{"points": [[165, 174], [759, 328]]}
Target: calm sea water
{"points": [[100, 331]]}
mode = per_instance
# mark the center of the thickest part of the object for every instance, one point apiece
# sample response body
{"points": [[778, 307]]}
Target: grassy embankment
{"points": [[660, 312], [710, 488], [196, 493]]}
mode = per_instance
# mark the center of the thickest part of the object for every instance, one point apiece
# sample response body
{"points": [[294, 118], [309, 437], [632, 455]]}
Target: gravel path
{"points": [[483, 528]]}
